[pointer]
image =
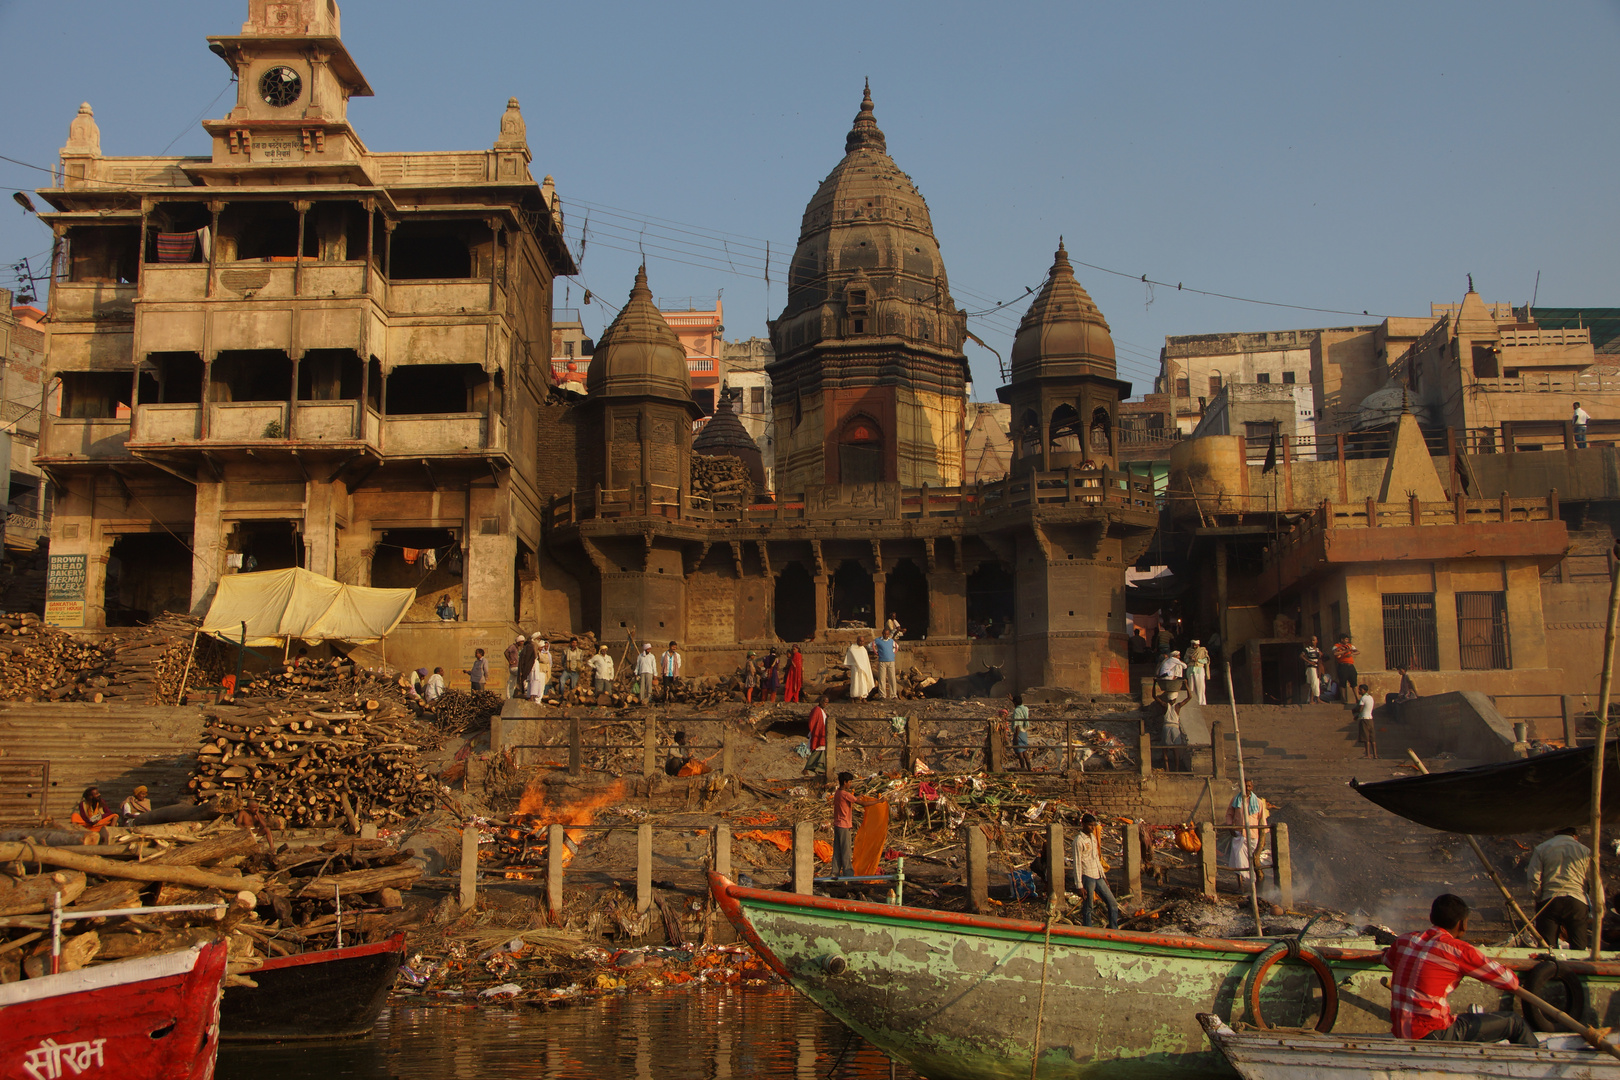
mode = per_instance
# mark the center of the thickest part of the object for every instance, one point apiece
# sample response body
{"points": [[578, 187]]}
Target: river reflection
{"points": [[721, 1034]]}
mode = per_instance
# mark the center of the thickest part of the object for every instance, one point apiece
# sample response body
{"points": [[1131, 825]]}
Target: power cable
{"points": [[198, 118]]}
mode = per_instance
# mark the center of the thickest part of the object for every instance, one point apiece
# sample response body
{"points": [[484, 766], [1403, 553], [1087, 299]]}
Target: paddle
{"points": [[1593, 1037]]}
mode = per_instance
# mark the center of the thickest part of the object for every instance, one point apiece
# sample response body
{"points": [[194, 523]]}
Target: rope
{"points": [[1040, 1013]]}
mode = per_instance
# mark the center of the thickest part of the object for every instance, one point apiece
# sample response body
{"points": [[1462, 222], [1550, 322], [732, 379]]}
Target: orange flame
{"points": [[580, 812]]}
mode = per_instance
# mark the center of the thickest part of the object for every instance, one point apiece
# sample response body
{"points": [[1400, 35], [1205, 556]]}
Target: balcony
{"points": [[69, 439], [442, 434], [233, 423], [443, 296], [86, 301], [257, 279]]}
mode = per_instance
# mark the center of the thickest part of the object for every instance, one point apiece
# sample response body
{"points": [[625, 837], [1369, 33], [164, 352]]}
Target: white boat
{"points": [[1276, 1054]]}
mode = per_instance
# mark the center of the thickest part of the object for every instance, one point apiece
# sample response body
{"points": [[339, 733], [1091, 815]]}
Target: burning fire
{"points": [[534, 812]]}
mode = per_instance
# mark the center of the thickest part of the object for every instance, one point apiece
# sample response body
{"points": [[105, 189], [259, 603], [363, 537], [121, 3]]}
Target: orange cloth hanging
{"points": [[870, 839]]}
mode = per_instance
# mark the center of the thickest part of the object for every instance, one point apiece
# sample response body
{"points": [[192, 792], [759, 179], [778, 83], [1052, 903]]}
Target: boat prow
{"points": [[330, 994]]}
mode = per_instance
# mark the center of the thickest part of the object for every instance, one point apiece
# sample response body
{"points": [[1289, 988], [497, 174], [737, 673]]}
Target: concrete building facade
{"points": [[299, 351], [29, 497]]}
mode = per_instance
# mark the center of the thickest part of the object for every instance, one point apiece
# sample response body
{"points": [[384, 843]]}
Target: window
{"points": [[1261, 431], [1411, 639], [1288, 378], [1184, 388], [1485, 366], [1264, 378], [1214, 385], [1482, 635], [568, 349], [756, 399]]}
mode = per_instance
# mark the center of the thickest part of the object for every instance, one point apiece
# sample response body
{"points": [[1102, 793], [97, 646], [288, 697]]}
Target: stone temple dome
{"points": [[639, 355], [1062, 334], [867, 261]]}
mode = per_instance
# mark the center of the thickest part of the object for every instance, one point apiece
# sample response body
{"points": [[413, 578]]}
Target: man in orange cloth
{"points": [[844, 802], [794, 683], [92, 815]]}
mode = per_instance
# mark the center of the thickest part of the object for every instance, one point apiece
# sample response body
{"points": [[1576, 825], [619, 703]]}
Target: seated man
{"points": [[92, 815], [1427, 966]]}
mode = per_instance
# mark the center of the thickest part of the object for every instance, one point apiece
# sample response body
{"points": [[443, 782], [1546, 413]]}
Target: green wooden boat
{"points": [[958, 997]]}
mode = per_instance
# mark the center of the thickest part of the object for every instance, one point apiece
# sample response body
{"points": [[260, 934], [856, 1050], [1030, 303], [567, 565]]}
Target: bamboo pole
{"points": [[1243, 800], [1594, 1038], [1490, 870], [1600, 754]]}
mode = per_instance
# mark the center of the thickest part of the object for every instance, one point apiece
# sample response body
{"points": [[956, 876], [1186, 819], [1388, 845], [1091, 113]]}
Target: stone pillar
{"points": [[1133, 859], [644, 886], [978, 871], [1056, 878], [721, 861], [832, 752], [208, 541], [879, 600], [1207, 858], [488, 568], [1283, 862], [320, 528], [804, 858], [822, 601], [556, 843]]}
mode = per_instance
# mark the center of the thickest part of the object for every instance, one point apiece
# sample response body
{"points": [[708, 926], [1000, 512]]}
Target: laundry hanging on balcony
{"points": [[176, 246], [411, 555]]}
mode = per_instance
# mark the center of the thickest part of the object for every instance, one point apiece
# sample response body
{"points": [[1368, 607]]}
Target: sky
{"points": [[1352, 157]]}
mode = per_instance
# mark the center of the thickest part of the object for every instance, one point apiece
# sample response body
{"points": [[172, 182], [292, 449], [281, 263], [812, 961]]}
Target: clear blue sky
{"points": [[1355, 157]]}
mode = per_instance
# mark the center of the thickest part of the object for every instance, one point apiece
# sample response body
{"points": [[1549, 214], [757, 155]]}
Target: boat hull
{"points": [[958, 996], [332, 994], [155, 1018], [1275, 1055]]}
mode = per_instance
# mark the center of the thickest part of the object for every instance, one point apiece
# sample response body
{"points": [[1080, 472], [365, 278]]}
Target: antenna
{"points": [[1533, 294]]}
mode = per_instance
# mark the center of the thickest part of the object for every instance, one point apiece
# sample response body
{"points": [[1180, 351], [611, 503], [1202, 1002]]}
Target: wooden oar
{"points": [[1591, 1035]]}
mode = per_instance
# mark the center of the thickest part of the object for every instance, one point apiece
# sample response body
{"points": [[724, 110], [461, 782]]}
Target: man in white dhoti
{"points": [[860, 669], [1252, 812]]}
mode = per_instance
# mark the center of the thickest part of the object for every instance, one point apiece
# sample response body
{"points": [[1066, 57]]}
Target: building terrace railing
{"points": [[1374, 514], [1551, 382], [877, 502]]}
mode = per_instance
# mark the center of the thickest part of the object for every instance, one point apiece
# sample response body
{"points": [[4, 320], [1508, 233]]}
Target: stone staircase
{"points": [[1347, 852], [112, 746]]}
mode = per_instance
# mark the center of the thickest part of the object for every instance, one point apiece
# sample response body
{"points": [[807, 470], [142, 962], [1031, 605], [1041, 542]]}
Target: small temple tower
{"points": [[869, 383], [1064, 391]]}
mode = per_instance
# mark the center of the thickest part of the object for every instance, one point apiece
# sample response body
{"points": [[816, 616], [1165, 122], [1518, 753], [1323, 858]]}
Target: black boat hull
{"points": [[334, 994]]}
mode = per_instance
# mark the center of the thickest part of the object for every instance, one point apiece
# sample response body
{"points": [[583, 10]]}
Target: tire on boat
{"points": [[1575, 1002], [1306, 955]]}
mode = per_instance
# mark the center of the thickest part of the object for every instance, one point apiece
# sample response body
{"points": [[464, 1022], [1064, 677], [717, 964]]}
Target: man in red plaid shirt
{"points": [[1427, 967]]}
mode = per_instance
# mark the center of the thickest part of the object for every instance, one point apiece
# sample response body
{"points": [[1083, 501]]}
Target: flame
{"points": [[580, 812]]}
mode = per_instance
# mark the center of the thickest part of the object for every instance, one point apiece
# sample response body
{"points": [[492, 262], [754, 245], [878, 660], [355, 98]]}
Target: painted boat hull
{"points": [[332, 994], [1277, 1055], [957, 996], [155, 1018]]}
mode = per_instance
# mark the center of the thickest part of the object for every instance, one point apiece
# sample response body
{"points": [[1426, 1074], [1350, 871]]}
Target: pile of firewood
{"points": [[320, 766], [270, 902], [339, 676], [723, 480], [40, 663], [456, 712]]}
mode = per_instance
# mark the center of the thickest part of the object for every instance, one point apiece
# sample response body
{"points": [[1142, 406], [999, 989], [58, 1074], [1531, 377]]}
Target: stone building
{"points": [[300, 351], [742, 371], [870, 515], [29, 498]]}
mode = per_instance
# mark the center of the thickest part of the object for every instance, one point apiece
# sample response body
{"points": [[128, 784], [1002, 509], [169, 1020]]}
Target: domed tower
{"points": [[869, 381], [725, 436], [640, 396], [1064, 392]]}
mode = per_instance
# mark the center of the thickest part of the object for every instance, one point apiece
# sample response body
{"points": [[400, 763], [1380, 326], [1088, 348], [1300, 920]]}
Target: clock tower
{"points": [[294, 80]]}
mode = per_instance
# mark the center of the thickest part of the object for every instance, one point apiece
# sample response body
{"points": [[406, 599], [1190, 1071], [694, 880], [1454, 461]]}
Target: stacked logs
{"points": [[457, 712], [722, 480], [40, 663], [318, 767], [339, 676], [270, 904]]}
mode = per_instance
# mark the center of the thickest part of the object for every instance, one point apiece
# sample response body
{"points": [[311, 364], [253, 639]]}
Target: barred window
{"points": [[1482, 635], [1411, 639]]}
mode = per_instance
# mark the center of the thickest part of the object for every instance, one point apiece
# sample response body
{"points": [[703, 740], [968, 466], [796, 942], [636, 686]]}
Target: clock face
{"points": [[280, 86]]}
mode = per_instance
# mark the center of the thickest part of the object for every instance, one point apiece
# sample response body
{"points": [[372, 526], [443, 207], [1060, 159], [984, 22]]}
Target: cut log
{"points": [[212, 850], [23, 896], [362, 881], [90, 864]]}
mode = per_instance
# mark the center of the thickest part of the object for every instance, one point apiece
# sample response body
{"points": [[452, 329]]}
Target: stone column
{"points": [[822, 600], [208, 535]]}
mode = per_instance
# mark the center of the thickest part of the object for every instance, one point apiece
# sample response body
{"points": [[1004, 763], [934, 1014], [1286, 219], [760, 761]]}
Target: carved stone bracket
{"points": [[928, 552], [1043, 540], [821, 564], [594, 553], [646, 551], [877, 557], [765, 558], [736, 557], [702, 553]]}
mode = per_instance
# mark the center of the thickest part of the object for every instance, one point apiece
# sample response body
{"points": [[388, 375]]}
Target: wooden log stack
{"points": [[723, 480], [318, 766], [272, 903], [41, 663]]}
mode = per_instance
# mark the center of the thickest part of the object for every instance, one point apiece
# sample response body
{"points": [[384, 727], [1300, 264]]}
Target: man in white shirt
{"points": [[602, 669], [1364, 715], [669, 670], [1089, 869], [1580, 416], [646, 671]]}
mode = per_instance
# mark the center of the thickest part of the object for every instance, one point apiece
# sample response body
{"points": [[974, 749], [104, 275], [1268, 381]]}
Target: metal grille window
{"points": [[1410, 636], [1482, 634]]}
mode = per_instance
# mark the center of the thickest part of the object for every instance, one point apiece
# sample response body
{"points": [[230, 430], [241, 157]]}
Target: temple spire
{"points": [[865, 132]]}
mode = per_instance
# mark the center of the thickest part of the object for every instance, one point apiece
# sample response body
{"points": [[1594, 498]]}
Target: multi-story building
{"points": [[298, 351], [570, 349], [742, 367], [28, 501], [699, 329]]}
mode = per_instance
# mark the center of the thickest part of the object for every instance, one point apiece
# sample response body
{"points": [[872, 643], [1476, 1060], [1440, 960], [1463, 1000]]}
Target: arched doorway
{"points": [[860, 452], [795, 603], [990, 606], [852, 595], [906, 595], [1065, 430], [1102, 443]]}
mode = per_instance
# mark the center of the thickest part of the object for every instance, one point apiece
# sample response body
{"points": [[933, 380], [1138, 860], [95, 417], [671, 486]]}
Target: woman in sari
{"points": [[793, 685]]}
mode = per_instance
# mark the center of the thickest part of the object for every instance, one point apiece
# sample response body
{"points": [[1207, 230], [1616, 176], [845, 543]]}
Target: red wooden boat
{"points": [[151, 1018], [330, 994]]}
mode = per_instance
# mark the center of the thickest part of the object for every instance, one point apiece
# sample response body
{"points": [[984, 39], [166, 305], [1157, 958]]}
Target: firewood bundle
{"points": [[337, 677], [271, 903], [40, 663], [456, 712], [723, 480], [319, 766]]}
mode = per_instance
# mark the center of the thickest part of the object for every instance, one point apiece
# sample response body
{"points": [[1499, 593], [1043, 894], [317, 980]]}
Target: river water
{"points": [[711, 1034]]}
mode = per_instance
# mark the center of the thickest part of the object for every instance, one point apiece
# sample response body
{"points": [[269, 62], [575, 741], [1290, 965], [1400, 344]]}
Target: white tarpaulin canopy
{"points": [[298, 603]]}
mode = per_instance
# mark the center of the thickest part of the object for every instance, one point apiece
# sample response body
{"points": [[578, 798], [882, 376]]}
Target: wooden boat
{"points": [[154, 1017], [330, 994], [1295, 1055], [956, 995]]}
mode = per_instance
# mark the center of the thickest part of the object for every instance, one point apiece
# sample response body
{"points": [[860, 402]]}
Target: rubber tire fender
{"points": [[1574, 995], [1306, 955]]}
